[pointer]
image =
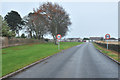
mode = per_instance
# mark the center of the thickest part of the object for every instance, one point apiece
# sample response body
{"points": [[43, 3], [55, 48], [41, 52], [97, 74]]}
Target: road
{"points": [[82, 61]]}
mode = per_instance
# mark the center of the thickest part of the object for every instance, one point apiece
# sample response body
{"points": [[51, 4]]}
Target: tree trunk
{"points": [[42, 36], [55, 40], [39, 37], [18, 33], [30, 34], [36, 35]]}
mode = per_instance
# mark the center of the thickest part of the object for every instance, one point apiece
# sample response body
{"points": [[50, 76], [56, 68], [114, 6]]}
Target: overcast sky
{"points": [[88, 18]]}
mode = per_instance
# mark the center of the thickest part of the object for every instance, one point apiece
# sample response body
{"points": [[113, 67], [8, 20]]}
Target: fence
{"points": [[6, 42], [114, 47]]}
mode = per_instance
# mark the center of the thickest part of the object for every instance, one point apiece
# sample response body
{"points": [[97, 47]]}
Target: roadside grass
{"points": [[14, 58], [110, 53]]}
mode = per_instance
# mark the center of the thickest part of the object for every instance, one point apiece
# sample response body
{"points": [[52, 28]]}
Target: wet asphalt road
{"points": [[82, 61]]}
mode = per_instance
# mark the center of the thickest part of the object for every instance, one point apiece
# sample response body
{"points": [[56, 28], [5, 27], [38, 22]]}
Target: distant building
{"points": [[73, 40], [86, 40], [113, 39], [96, 38]]}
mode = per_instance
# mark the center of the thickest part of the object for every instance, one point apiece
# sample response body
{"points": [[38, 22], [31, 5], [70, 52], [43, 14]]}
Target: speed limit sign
{"points": [[58, 36], [107, 36]]}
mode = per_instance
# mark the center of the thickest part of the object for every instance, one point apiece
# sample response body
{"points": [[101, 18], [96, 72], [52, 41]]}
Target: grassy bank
{"points": [[17, 57], [110, 53]]}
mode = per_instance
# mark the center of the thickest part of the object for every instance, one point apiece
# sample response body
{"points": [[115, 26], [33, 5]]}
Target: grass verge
{"points": [[110, 53], [14, 58]]}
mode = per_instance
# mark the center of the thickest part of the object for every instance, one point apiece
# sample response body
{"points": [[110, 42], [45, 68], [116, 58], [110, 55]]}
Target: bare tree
{"points": [[50, 18], [40, 24], [36, 25], [29, 25], [57, 18]]}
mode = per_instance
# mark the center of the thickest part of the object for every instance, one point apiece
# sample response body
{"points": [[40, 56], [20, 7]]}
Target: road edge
{"points": [[24, 68], [108, 56], [30, 65]]}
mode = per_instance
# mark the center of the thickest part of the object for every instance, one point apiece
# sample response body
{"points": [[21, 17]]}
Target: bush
{"points": [[46, 40], [5, 29], [23, 36]]}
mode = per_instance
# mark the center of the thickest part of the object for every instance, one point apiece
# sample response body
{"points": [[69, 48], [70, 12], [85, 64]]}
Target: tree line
{"points": [[49, 18]]}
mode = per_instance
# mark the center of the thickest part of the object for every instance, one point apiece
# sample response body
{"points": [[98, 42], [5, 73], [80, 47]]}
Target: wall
{"points": [[6, 42]]}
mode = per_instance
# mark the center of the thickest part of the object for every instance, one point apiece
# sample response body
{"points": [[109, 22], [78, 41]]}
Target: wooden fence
{"points": [[114, 47]]}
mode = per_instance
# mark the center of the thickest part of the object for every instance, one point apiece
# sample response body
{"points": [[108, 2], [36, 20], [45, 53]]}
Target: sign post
{"points": [[107, 36], [58, 39], [58, 44]]}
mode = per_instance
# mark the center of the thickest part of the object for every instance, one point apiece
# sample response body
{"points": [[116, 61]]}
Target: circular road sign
{"points": [[58, 36], [107, 36]]}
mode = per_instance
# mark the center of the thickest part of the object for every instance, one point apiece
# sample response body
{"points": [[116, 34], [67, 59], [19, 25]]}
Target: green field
{"points": [[17, 57], [110, 53]]}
